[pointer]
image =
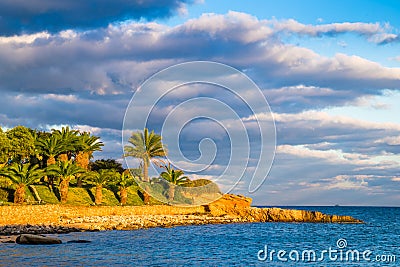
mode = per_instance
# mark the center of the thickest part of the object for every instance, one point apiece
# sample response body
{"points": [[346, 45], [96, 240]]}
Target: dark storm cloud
{"points": [[20, 16]]}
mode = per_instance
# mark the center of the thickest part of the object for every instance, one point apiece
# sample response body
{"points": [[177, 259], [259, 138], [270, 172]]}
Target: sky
{"points": [[330, 71]]}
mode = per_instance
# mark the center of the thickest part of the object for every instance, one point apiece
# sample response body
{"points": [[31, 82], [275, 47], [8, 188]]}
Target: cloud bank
{"points": [[19, 16], [83, 73]]}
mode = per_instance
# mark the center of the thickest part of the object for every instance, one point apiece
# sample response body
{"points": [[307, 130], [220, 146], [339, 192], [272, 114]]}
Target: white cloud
{"points": [[390, 140], [337, 156], [320, 118], [234, 26], [293, 26], [348, 182], [24, 38], [62, 98]]}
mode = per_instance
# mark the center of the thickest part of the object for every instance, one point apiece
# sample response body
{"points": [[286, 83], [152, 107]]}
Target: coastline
{"points": [[59, 219]]}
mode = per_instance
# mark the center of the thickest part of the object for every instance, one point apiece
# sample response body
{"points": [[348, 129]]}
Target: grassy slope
{"points": [[133, 197], [109, 198], [80, 196], [46, 195], [85, 196]]}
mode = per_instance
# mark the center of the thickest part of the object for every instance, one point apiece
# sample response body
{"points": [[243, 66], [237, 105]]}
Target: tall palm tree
{"points": [[175, 178], [146, 147], [65, 170], [22, 175], [100, 179], [69, 138]]}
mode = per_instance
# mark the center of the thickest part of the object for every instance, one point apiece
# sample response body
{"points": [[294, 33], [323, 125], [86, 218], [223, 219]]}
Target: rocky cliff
{"points": [[236, 205]]}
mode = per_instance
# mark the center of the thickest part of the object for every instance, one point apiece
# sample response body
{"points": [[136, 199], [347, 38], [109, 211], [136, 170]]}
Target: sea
{"points": [[374, 243]]}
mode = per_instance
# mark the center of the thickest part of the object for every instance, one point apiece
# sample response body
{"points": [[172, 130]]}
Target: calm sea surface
{"points": [[378, 240]]}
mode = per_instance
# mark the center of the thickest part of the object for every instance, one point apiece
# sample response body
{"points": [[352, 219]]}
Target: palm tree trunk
{"points": [[50, 161], [171, 192], [123, 192], [82, 160], [145, 171], [63, 157], [19, 194], [64, 185], [146, 196], [99, 195]]}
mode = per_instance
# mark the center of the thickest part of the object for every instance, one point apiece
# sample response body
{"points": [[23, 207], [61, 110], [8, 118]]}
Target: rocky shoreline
{"points": [[229, 209], [117, 222]]}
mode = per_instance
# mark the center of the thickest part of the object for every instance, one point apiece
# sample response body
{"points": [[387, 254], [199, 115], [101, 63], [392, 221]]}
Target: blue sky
{"points": [[330, 71]]}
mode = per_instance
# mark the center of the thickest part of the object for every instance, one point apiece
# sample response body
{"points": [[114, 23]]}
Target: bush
{"points": [[201, 186], [4, 194]]}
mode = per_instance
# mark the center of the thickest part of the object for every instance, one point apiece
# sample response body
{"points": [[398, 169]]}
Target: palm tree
{"points": [[100, 179], [50, 147], [146, 147], [174, 177], [124, 180], [86, 145], [22, 175], [66, 171], [69, 139]]}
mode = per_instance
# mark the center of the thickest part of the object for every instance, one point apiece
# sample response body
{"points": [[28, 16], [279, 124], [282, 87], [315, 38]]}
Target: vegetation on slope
{"points": [[58, 165]]}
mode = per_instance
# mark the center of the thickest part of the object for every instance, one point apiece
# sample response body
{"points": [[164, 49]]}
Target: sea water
{"points": [[376, 243]]}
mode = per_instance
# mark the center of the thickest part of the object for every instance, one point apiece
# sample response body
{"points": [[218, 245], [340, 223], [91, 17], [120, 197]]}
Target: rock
{"points": [[287, 215], [229, 204], [7, 239], [239, 206], [29, 239], [79, 241]]}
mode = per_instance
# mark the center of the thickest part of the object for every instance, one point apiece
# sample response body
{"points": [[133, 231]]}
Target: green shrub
{"points": [[4, 194], [200, 186]]}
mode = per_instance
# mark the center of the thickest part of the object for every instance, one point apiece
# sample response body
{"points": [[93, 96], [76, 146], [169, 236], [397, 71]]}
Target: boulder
{"points": [[29, 239], [229, 204]]}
